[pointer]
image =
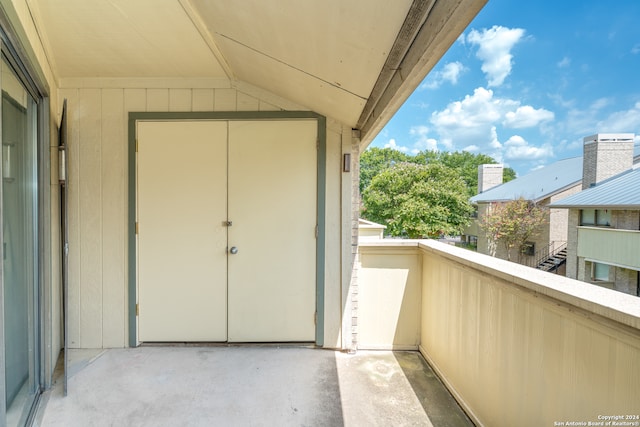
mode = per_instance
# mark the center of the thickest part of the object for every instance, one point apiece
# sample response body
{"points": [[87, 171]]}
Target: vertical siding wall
{"points": [[97, 160], [517, 357]]}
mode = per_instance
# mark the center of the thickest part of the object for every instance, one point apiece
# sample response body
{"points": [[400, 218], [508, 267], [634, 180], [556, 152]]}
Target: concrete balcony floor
{"points": [[248, 386]]}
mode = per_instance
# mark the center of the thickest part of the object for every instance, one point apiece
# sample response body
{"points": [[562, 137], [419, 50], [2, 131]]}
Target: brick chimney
{"points": [[606, 155], [489, 176]]}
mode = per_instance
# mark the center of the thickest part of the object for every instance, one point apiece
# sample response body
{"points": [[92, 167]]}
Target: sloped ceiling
{"points": [[325, 55]]}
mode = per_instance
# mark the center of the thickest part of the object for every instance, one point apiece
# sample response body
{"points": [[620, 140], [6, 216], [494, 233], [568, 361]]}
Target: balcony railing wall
{"points": [[515, 345], [610, 245]]}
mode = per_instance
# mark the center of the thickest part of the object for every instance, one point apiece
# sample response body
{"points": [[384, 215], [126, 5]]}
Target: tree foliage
{"points": [[375, 160], [418, 201], [467, 165], [513, 223]]}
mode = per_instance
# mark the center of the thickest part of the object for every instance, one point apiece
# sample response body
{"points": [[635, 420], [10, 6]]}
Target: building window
{"points": [[529, 248], [603, 217], [599, 272], [588, 217], [595, 217]]}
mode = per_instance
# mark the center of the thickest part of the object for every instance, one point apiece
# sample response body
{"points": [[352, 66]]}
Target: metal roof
{"points": [[537, 185], [543, 182], [621, 191]]}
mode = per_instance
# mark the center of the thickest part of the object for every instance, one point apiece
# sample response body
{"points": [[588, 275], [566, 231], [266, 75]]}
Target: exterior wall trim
{"points": [[134, 117]]}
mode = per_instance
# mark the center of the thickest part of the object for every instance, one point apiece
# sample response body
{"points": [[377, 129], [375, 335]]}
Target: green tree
{"points": [[465, 163], [418, 201], [513, 224], [375, 160]]}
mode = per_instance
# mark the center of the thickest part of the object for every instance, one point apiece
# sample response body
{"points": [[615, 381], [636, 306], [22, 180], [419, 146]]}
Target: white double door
{"points": [[226, 216]]}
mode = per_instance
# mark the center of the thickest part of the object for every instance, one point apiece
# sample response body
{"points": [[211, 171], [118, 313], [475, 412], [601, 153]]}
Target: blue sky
{"points": [[526, 81]]}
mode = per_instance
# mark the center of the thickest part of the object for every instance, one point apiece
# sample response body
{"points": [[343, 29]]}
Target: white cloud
{"points": [[423, 142], [565, 62], [392, 144], [449, 73], [526, 117], [474, 122], [622, 121], [474, 110], [595, 119], [494, 50], [494, 139], [517, 148]]}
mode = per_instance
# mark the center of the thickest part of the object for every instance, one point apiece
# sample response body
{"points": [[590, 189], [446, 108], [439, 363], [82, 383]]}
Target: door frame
{"points": [[135, 117]]}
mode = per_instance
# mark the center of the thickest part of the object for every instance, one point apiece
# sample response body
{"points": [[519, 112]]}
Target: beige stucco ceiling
{"points": [[324, 55]]}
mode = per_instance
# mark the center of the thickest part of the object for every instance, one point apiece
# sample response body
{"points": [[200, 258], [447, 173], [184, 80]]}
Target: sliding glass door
{"points": [[19, 212]]}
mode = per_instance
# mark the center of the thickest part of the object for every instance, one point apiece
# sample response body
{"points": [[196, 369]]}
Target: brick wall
{"points": [[573, 220], [606, 155]]}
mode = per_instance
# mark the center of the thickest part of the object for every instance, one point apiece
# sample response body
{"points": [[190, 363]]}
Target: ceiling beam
{"points": [[198, 22]]}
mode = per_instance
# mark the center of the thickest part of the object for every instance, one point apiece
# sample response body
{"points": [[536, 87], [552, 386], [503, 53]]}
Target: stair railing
{"points": [[547, 252]]}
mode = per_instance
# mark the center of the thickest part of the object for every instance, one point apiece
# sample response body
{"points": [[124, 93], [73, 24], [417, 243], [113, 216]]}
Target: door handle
{"points": [[233, 250]]}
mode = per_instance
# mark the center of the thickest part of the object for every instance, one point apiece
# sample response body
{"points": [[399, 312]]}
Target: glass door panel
{"points": [[20, 247]]}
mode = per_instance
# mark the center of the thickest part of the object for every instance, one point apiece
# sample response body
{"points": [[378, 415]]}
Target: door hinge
{"points": [[137, 309], [136, 145], [136, 228], [316, 231]]}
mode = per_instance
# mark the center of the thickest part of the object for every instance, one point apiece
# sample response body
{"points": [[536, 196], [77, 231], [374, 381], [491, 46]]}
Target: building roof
{"points": [[621, 191], [537, 185], [543, 182]]}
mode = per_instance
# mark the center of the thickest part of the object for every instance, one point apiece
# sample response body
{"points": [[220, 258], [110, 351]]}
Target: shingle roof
{"points": [[538, 184], [621, 191]]}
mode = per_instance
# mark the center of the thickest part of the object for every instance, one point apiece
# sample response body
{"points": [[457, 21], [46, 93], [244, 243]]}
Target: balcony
{"points": [[610, 246], [514, 346]]}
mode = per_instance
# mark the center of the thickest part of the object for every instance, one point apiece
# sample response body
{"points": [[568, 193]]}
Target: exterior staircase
{"points": [[554, 259]]}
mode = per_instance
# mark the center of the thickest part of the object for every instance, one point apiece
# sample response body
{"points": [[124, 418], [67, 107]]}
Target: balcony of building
{"points": [[513, 345], [610, 246]]}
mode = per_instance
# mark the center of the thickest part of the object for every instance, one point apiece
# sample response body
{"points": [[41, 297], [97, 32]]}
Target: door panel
{"points": [[182, 185], [272, 203], [19, 318]]}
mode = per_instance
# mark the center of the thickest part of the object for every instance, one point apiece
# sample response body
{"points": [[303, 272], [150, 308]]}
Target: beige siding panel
{"points": [[332, 296], [512, 355], [247, 103], [180, 100], [265, 106], [73, 171], [202, 100], [607, 245], [114, 164], [269, 97], [135, 100], [157, 99], [225, 100], [90, 219], [389, 294]]}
